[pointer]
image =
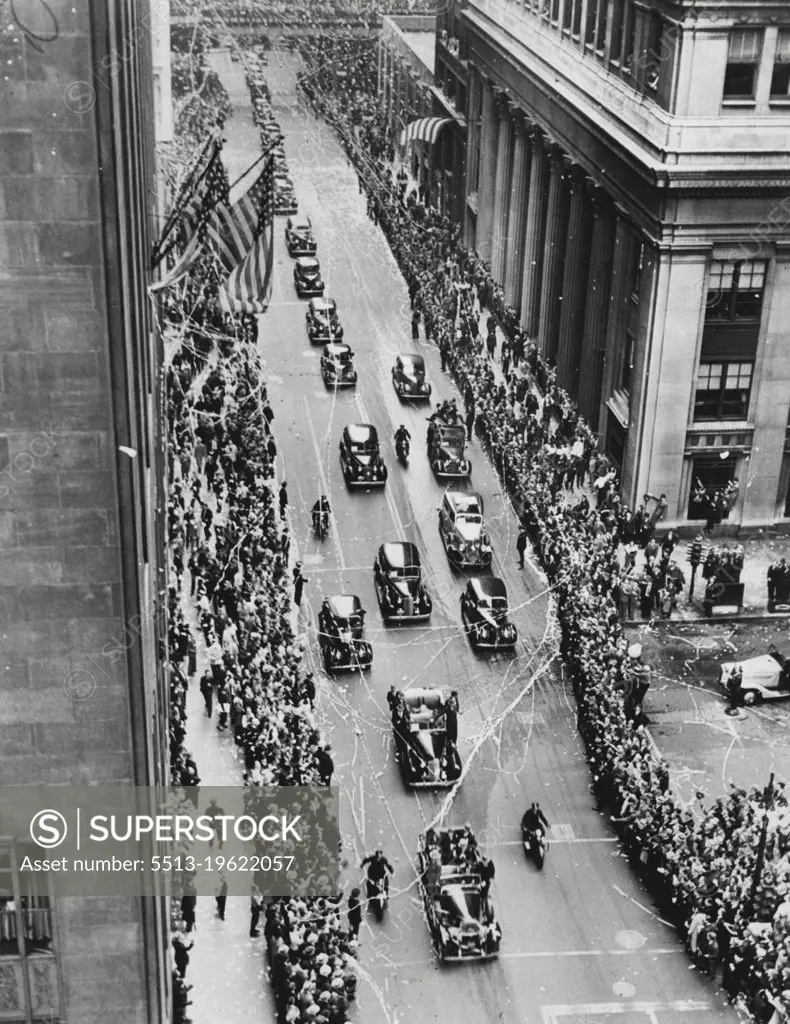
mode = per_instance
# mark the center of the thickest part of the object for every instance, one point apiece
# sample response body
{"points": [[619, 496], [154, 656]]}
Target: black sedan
{"points": [[341, 634], [299, 238], [428, 758], [322, 322], [307, 277], [408, 378], [484, 614], [360, 456], [446, 450], [397, 576], [337, 367]]}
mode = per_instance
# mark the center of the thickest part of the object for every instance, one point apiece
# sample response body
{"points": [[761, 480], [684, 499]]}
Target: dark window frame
{"points": [[721, 407], [735, 74]]}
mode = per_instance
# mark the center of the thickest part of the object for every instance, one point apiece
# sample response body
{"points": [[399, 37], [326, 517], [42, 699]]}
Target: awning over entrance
{"points": [[424, 129]]}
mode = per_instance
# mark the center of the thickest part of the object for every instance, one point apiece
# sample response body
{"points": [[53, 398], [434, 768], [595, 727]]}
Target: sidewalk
{"points": [[227, 969]]}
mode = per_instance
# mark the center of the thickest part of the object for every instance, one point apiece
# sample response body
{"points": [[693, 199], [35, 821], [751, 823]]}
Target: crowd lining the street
{"points": [[706, 866]]}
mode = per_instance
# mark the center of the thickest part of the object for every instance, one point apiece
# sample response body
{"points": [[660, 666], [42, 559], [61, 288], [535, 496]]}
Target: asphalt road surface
{"points": [[581, 941]]}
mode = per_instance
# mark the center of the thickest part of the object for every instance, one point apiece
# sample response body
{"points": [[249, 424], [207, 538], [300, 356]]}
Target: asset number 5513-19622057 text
{"points": [[220, 863]]}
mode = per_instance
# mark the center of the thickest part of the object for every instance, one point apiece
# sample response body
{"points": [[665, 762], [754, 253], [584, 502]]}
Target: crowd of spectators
{"points": [[704, 864], [304, 13]]}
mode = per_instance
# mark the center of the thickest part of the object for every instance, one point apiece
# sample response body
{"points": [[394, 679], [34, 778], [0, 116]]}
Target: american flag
{"points": [[242, 237], [210, 189]]}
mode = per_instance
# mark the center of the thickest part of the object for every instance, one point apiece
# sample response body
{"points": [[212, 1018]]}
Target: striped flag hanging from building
{"points": [[208, 190], [242, 237], [424, 129]]}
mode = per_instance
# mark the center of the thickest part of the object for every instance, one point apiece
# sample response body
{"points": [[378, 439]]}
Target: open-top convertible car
{"points": [[408, 377], [397, 576], [323, 324], [341, 634], [427, 758], [766, 677], [299, 238], [446, 443], [484, 614], [455, 895], [360, 456], [337, 366], [461, 526], [307, 277]]}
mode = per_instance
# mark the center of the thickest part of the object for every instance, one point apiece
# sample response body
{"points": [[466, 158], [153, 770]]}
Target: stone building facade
{"points": [[82, 579], [627, 174]]}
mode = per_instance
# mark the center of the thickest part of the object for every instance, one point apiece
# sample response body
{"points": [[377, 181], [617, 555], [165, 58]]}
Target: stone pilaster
{"points": [[596, 307], [485, 192], [553, 254], [473, 130], [514, 261], [574, 285], [499, 245], [535, 232]]}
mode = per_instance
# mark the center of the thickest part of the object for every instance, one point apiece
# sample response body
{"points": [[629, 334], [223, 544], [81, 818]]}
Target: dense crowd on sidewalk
{"points": [[701, 866], [309, 13]]}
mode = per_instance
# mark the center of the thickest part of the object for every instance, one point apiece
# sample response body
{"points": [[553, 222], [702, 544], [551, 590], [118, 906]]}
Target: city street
{"points": [[581, 941]]}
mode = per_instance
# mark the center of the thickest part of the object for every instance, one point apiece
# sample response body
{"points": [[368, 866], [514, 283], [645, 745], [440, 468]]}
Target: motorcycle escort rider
{"points": [[534, 820], [402, 436], [321, 511], [378, 866]]}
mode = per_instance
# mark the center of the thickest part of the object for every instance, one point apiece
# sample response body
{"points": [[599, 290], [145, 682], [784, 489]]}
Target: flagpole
{"points": [[263, 156]]}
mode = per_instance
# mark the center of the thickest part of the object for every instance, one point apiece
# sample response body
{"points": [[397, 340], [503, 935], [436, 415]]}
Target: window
{"points": [[567, 15], [627, 366], [600, 32], [592, 21], [618, 17], [555, 11], [735, 290], [577, 18], [780, 82], [710, 474], [742, 62], [723, 391]]}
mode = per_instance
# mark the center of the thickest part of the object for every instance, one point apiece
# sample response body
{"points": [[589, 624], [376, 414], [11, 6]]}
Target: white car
{"points": [[764, 678], [463, 533]]}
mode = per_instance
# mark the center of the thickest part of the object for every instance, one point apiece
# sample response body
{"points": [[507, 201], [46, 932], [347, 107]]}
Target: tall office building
{"points": [[82, 698], [627, 173]]}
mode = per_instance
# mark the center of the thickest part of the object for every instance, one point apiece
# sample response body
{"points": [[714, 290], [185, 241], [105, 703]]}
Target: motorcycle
{"points": [[321, 523], [535, 845], [378, 895], [402, 450]]}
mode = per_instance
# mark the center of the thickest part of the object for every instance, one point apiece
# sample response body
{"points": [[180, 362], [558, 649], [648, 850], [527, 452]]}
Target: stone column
{"points": [[514, 262], [499, 245], [535, 232], [574, 285], [379, 73], [485, 193], [553, 254], [472, 130], [596, 307]]}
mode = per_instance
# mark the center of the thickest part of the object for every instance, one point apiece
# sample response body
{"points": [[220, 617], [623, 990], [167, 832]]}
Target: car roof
{"points": [[299, 220], [322, 303], [465, 501], [411, 357], [449, 432], [336, 349], [422, 695], [488, 586], [401, 554], [343, 606], [307, 261], [359, 433]]}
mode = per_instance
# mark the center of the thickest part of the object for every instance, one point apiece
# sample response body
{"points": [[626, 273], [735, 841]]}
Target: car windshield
{"points": [[495, 604], [471, 520], [343, 357], [408, 572], [363, 446]]}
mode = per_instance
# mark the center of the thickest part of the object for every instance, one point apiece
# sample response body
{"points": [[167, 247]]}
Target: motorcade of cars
{"points": [[766, 677], [462, 530], [428, 759], [446, 444], [397, 577], [322, 322], [484, 612], [341, 634], [337, 366], [408, 378], [455, 896], [360, 456], [299, 238], [307, 277]]}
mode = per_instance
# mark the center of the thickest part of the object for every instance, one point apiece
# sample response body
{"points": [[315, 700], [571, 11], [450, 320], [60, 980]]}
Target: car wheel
{"points": [[751, 698]]}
